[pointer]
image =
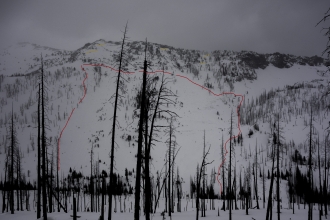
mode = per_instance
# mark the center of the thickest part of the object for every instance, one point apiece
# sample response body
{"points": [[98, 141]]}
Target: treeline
{"points": [[300, 190], [292, 101]]}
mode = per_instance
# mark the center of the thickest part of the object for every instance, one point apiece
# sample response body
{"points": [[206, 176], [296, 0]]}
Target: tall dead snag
{"points": [[39, 156], [245, 189], [263, 187], [156, 96], [325, 190], [169, 177], [11, 159], [199, 177], [203, 187], [310, 204], [278, 139], [223, 194], [155, 100], [147, 188], [256, 177], [319, 164], [114, 122], [91, 183], [12, 164], [171, 161], [57, 180], [4, 191], [272, 156], [278, 168], [235, 188], [229, 168], [167, 173], [140, 140], [43, 144], [178, 190]]}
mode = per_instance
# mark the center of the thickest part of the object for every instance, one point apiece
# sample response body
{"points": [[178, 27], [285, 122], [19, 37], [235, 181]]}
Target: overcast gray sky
{"points": [[265, 26]]}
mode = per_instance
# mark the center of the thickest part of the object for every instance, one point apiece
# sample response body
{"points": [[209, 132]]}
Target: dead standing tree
{"points": [[272, 156], [119, 82], [140, 141], [11, 159], [43, 143], [39, 157], [155, 103], [166, 173], [199, 177], [325, 18], [277, 142], [170, 154], [230, 194], [256, 176], [310, 171], [151, 99]]}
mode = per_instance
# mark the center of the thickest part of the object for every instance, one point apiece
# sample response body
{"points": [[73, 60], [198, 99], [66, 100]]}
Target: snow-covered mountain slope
{"points": [[245, 73], [24, 58]]}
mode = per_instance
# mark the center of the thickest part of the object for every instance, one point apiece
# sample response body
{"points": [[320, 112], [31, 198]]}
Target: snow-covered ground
{"points": [[189, 214]]}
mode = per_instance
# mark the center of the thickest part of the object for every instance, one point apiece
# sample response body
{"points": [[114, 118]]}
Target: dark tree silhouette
{"points": [[272, 156], [39, 156], [256, 176], [310, 204], [114, 120], [43, 144], [326, 51], [200, 173], [229, 168], [12, 159], [140, 140], [155, 101]]}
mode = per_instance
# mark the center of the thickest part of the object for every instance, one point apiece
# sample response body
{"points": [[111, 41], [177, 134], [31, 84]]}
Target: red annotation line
{"points": [[161, 71], [67, 121], [59, 140], [238, 120]]}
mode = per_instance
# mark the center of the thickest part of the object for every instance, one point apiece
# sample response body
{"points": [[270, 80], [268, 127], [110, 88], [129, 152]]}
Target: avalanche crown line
{"points": [[158, 71]]}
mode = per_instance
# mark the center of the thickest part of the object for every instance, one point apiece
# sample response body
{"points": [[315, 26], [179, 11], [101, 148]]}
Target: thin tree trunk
{"points": [[324, 181], [17, 180], [114, 125], [263, 187], [319, 163], [12, 164], [103, 192], [269, 204], [310, 209], [43, 145], [147, 187], [278, 168], [140, 138], [165, 190], [20, 178], [223, 179], [256, 177], [4, 190], [169, 177], [57, 181], [91, 184], [229, 168], [39, 156]]}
